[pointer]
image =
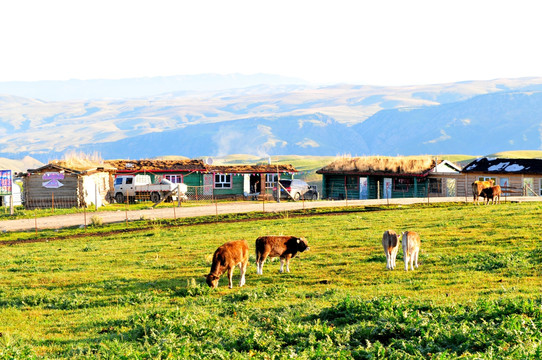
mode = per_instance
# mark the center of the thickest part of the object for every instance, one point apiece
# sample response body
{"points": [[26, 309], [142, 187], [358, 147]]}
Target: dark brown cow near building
{"points": [[493, 193], [477, 188], [285, 247], [226, 258]]}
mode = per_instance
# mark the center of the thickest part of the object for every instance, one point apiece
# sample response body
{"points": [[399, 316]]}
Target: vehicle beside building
{"points": [[141, 187], [206, 181], [296, 190]]}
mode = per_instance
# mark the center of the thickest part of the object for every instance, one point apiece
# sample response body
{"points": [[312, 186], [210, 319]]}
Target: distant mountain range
{"points": [[266, 115]]}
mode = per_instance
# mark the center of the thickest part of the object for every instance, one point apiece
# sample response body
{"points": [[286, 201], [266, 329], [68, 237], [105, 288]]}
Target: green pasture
{"points": [[142, 294]]}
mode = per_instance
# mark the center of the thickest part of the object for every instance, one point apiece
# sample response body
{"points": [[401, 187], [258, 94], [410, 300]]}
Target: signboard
{"points": [[51, 180], [5, 182]]}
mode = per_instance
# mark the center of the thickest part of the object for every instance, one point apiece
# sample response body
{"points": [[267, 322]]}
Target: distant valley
{"points": [[275, 118]]}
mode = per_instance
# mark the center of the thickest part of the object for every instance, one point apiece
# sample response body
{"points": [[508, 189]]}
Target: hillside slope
{"points": [[477, 117]]}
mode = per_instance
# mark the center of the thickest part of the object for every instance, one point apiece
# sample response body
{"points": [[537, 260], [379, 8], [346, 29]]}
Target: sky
{"points": [[378, 42]]}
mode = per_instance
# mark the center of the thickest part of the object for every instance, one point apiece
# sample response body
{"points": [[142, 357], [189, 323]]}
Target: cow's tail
{"points": [[257, 252], [406, 246]]}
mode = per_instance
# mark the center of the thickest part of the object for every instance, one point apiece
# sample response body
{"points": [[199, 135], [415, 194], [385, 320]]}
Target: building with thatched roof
{"points": [[376, 177], [515, 176], [220, 181], [65, 184]]}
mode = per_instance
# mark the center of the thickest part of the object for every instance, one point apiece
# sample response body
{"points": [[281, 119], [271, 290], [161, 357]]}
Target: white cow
{"points": [[411, 248]]}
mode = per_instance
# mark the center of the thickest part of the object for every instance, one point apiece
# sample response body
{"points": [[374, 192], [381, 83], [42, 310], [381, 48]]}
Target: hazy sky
{"points": [[379, 42]]}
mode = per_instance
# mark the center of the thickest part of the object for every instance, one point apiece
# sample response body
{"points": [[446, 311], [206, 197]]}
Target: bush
{"points": [[96, 220]]}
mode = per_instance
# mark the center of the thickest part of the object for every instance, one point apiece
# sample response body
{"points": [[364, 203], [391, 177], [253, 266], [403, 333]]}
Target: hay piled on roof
{"points": [[150, 165], [381, 164], [249, 169], [81, 162]]}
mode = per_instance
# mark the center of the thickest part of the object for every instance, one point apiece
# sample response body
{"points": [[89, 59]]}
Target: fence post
{"points": [[53, 201], [96, 196], [345, 193], [179, 194], [85, 216], [126, 207]]}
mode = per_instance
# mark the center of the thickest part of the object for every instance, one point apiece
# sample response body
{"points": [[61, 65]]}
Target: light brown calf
{"points": [[411, 248], [226, 258], [390, 243], [285, 247]]}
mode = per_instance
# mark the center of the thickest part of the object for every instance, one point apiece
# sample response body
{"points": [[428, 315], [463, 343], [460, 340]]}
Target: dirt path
{"points": [[61, 221]]}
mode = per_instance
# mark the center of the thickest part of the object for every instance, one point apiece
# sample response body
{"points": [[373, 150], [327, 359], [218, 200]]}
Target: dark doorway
{"points": [[255, 184]]}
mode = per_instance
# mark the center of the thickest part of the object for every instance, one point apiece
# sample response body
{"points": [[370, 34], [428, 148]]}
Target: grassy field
{"points": [[142, 294]]}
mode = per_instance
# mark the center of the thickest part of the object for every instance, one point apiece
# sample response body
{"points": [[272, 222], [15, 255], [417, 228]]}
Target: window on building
{"points": [[176, 179], [435, 186], [270, 180], [222, 181], [403, 184], [528, 187]]}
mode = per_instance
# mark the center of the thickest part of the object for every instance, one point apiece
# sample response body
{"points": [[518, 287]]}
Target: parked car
{"points": [[312, 194], [297, 190]]}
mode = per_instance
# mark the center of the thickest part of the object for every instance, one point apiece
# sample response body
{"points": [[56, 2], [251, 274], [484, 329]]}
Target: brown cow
{"points": [[390, 242], [226, 258], [285, 247], [478, 186], [411, 248], [493, 193]]}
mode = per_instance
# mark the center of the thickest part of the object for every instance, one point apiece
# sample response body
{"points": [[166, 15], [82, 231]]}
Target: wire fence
{"points": [[206, 194], [200, 195], [355, 192], [58, 202]]}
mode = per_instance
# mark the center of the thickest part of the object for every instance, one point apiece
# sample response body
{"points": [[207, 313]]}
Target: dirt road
{"points": [[61, 221]]}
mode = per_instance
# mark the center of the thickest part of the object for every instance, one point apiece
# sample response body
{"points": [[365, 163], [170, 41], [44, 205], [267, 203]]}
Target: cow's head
{"points": [[302, 244], [212, 280]]}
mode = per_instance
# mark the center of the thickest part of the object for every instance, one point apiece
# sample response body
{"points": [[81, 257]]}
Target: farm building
{"points": [[390, 177], [60, 184], [216, 181], [517, 177]]}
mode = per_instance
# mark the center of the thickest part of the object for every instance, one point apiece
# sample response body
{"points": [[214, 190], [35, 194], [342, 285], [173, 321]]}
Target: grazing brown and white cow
{"points": [[411, 248], [390, 243], [477, 188], [226, 258], [493, 193], [285, 247]]}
